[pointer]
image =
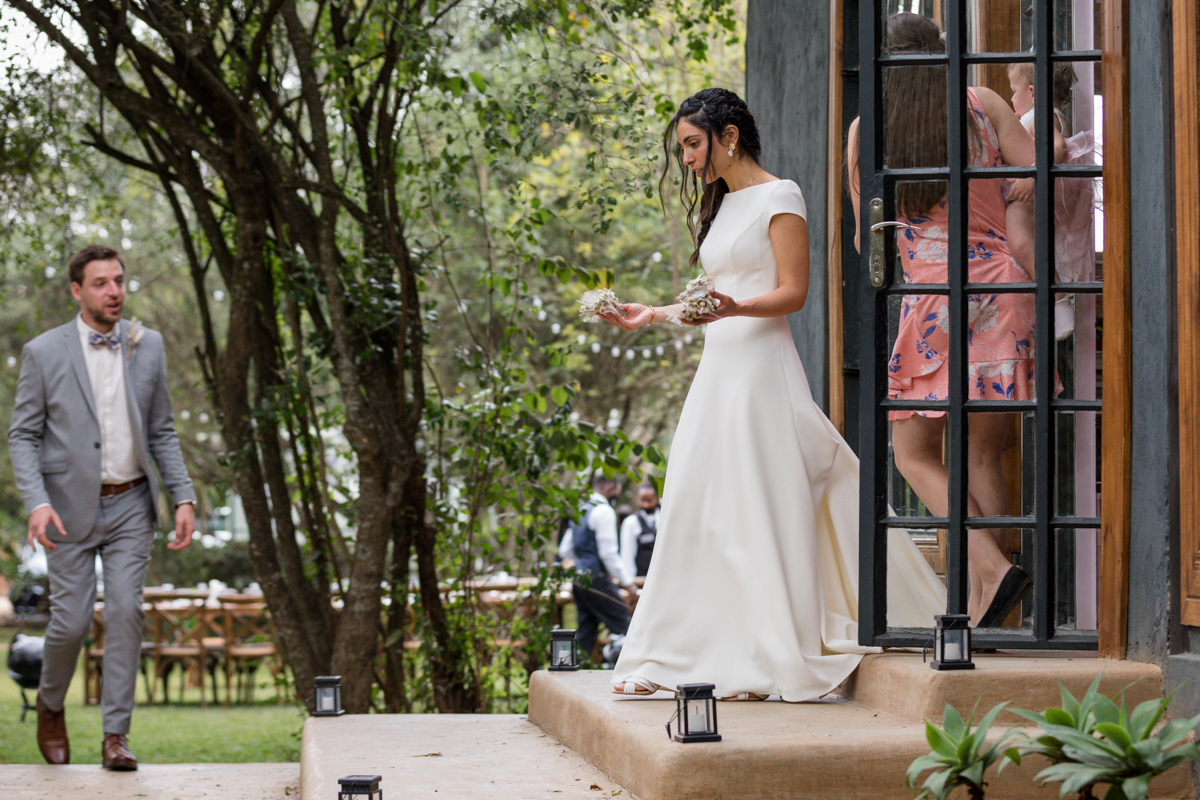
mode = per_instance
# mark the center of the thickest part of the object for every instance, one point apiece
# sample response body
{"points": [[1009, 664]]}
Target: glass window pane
{"points": [[1077, 560]]}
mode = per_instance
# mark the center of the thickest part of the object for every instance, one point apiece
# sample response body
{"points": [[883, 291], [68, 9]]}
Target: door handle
{"points": [[878, 225], [891, 223]]}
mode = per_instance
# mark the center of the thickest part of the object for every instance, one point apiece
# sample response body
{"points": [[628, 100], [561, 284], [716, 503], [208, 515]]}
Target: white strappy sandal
{"points": [[636, 686]]}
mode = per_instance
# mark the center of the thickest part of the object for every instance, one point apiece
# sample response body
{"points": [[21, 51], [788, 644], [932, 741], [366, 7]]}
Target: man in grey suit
{"points": [[91, 412]]}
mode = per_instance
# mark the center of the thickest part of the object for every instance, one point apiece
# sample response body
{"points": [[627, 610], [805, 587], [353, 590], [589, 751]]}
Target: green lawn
{"points": [[171, 734]]}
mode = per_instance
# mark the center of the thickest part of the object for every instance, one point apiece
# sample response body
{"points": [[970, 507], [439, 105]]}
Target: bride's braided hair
{"points": [[712, 111]]}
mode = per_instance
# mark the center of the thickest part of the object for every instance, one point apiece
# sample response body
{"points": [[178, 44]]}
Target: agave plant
{"points": [[959, 757], [1095, 741], [1076, 714]]}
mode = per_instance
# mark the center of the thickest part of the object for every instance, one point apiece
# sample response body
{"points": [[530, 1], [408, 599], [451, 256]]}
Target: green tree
{"points": [[334, 162]]}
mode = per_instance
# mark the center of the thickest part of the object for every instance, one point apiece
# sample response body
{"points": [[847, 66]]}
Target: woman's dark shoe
{"points": [[1012, 590]]}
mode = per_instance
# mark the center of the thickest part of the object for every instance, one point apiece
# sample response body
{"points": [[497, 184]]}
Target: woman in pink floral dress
{"points": [[1000, 336]]}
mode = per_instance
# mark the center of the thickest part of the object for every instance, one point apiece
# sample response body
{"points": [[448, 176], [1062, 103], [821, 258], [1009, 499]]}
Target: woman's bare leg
{"points": [[985, 473], [917, 448]]}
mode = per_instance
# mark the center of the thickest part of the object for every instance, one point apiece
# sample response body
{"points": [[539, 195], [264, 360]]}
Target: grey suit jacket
{"points": [[54, 438]]}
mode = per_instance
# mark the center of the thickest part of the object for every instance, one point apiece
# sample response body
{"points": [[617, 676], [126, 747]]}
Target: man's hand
{"points": [[185, 526], [39, 518]]}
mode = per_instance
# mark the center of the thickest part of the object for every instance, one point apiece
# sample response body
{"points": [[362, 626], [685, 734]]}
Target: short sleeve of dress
{"points": [[787, 199]]}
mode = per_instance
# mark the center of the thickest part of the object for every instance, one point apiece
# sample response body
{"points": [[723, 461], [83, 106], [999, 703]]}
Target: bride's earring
{"points": [[731, 151]]}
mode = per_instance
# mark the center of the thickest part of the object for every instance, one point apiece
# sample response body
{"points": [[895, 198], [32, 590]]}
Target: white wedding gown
{"points": [[754, 581]]}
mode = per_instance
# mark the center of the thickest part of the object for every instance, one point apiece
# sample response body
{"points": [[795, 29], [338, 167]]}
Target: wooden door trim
{"points": [[1186, 29], [1117, 418], [833, 227]]}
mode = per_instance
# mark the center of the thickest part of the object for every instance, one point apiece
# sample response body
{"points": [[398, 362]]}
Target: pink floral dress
{"points": [[1000, 335]]}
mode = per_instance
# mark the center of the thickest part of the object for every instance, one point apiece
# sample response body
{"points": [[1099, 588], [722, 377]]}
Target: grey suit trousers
{"points": [[122, 537]]}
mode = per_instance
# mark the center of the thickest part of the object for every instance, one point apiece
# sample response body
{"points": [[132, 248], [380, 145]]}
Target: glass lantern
{"points": [[328, 702], [564, 652], [360, 787], [696, 714], [952, 642]]}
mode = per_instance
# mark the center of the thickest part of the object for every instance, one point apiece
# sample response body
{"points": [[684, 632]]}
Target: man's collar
{"points": [[86, 330]]}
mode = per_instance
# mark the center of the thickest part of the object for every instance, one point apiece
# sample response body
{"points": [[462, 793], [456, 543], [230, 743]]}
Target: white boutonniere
{"points": [[133, 336]]}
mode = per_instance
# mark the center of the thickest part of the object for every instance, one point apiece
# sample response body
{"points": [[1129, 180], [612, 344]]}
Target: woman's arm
{"points": [[638, 315], [852, 170], [789, 241], [1016, 145]]}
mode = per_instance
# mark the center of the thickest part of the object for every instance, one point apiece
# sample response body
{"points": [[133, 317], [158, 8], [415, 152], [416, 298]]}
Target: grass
{"points": [[170, 734]]}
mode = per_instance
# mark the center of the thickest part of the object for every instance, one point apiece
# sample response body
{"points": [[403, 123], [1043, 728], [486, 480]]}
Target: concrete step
{"points": [[446, 757], [834, 749], [151, 781], [901, 684]]}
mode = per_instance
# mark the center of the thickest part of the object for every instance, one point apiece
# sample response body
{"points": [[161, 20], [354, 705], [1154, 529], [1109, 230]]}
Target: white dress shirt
{"points": [[631, 529], [106, 372], [603, 520]]}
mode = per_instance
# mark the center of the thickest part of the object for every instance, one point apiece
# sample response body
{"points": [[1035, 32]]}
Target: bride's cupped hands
{"points": [[638, 315]]}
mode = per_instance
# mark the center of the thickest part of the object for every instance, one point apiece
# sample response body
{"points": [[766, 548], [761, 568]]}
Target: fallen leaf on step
{"points": [[427, 755], [594, 786]]}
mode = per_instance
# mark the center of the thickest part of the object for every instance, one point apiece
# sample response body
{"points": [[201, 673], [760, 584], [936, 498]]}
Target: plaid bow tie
{"points": [[97, 339]]}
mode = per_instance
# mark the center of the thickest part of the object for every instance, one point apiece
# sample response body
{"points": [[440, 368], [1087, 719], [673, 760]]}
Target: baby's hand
{"points": [[1021, 190]]}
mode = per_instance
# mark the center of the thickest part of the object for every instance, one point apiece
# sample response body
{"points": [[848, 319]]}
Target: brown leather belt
{"points": [[109, 489]]}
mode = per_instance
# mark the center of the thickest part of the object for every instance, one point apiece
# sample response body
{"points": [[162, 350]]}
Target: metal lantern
{"points": [[329, 696], [564, 652], [952, 642], [360, 787], [696, 714]]}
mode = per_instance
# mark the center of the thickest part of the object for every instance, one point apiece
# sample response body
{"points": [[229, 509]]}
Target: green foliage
{"points": [[960, 755], [1089, 741], [1096, 741], [228, 563], [521, 168], [1079, 715]]}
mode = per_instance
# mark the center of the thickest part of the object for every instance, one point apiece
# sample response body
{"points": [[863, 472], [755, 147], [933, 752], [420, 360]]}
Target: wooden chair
{"points": [[93, 660], [179, 640], [249, 640]]}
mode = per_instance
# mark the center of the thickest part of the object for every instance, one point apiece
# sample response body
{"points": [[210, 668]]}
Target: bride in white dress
{"points": [[754, 582]]}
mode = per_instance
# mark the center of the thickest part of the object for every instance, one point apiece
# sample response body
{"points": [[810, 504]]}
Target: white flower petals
{"points": [[597, 302], [697, 302]]}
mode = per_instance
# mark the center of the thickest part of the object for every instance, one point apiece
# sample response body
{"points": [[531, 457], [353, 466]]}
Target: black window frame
{"points": [[879, 182]]}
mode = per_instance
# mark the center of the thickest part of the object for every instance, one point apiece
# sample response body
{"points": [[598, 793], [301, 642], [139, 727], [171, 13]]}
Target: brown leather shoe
{"points": [[52, 734], [117, 755]]}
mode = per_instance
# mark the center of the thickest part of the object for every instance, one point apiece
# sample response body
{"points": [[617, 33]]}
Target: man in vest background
{"points": [[639, 530], [593, 542], [90, 416]]}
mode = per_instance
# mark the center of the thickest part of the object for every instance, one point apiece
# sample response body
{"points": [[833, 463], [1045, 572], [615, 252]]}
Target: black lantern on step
{"points": [[328, 701], [952, 642], [360, 787], [564, 652], [696, 713]]}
